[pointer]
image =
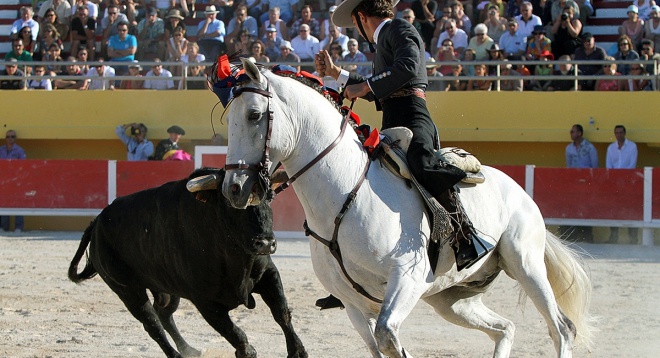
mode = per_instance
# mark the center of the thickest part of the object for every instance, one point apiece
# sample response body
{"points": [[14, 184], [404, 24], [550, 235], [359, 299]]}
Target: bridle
{"points": [[262, 168]]}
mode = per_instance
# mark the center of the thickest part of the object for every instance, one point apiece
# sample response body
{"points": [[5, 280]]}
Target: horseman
{"points": [[398, 88]]}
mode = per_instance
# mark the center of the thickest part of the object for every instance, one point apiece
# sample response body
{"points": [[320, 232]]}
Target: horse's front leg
{"points": [[405, 287], [364, 324]]}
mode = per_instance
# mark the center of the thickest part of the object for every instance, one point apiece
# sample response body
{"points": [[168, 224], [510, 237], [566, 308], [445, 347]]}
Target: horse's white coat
{"points": [[384, 234]]}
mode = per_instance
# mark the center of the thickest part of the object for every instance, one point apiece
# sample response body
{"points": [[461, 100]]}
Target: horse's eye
{"points": [[254, 116]]}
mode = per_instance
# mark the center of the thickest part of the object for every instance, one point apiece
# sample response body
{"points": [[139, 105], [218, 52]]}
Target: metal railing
{"points": [[497, 78]]}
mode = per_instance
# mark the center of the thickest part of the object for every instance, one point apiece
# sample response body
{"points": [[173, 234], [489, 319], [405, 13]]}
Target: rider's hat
{"points": [[342, 15]]}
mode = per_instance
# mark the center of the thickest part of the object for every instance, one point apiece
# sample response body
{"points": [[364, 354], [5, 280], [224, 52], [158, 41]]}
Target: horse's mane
{"points": [[313, 85]]}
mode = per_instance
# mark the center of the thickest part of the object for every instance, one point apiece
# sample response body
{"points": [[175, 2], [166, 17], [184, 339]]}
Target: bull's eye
{"points": [[254, 116]]}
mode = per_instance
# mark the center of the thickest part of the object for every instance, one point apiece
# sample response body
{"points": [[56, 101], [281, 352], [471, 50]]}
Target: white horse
{"points": [[385, 232]]}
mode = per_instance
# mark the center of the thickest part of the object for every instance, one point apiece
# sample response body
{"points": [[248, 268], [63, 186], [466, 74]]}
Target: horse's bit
{"points": [[264, 179]]}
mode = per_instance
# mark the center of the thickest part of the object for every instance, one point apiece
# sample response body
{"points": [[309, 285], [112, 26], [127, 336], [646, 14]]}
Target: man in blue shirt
{"points": [[580, 153], [122, 47], [137, 145], [211, 35], [11, 150]]}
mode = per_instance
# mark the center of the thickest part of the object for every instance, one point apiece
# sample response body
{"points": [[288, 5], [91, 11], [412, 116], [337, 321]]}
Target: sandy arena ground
{"points": [[43, 314]]}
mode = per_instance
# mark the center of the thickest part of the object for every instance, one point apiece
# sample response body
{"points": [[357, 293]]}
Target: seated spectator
{"points": [[166, 146], [242, 22], [305, 19], [82, 61], [422, 16], [306, 46], [648, 53], [71, 70], [515, 85], [335, 36], [122, 48], [468, 57], [485, 6], [528, 23], [257, 52], [325, 24], [51, 36], [272, 43], [52, 18], [456, 35], [92, 8], [83, 31], [565, 69], [434, 76], [194, 74], [273, 20], [287, 10], [566, 31], [495, 54], [177, 47], [409, 16], [512, 42], [211, 34], [539, 44], [355, 55], [446, 54], [496, 25], [19, 53], [625, 52], [241, 44], [25, 20], [53, 55], [542, 70], [193, 55], [109, 26], [463, 21], [644, 8], [151, 36], [589, 52], [29, 44], [11, 69], [609, 84], [484, 84], [287, 55], [61, 10], [633, 27], [40, 84], [187, 7], [652, 27], [138, 147], [101, 70], [172, 21], [135, 70], [456, 84], [637, 84], [440, 24], [164, 81]]}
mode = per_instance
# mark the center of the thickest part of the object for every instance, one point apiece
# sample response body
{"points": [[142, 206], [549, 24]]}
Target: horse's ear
{"points": [[251, 70]]}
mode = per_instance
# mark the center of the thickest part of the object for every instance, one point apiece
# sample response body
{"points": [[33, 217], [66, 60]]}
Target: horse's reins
{"points": [[262, 168]]}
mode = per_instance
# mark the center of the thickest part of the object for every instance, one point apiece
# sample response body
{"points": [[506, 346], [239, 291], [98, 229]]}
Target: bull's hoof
{"points": [[299, 354], [249, 352]]}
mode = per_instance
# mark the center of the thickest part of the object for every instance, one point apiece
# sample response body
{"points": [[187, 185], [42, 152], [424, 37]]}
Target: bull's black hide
{"points": [[191, 245]]}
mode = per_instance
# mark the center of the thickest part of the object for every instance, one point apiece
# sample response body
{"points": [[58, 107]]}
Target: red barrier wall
{"points": [[136, 176], [516, 172], [590, 193]]}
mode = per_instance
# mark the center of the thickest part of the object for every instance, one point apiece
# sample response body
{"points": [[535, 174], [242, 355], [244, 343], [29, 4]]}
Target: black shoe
{"points": [[469, 254], [329, 302]]}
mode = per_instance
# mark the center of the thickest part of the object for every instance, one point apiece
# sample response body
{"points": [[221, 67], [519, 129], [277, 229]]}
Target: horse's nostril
{"points": [[235, 188]]}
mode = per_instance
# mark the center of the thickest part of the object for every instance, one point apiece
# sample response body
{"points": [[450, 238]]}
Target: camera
{"points": [[564, 16], [492, 12], [138, 129]]}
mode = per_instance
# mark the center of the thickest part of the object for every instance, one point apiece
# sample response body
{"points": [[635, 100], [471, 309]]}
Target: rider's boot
{"points": [[329, 302]]}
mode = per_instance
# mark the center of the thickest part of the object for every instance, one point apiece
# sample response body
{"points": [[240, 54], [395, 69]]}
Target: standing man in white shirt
{"points": [[622, 154], [526, 20]]}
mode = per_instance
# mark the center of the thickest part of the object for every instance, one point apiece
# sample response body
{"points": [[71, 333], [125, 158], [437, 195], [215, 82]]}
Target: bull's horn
{"points": [[205, 182]]}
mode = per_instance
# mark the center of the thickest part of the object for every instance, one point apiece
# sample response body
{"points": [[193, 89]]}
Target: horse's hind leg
{"points": [[164, 308], [463, 307], [528, 268]]}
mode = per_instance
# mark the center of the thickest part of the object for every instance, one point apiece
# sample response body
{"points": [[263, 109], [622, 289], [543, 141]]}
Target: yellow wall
{"points": [[499, 127]]}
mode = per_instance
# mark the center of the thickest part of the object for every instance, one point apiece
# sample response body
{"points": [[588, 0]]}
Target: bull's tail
{"points": [[89, 271]]}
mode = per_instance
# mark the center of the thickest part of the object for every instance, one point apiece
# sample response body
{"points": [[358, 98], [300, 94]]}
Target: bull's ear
{"points": [[251, 70], [206, 196]]}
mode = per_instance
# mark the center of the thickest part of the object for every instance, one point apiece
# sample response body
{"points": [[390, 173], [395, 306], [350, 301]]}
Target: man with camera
{"points": [[137, 145]]}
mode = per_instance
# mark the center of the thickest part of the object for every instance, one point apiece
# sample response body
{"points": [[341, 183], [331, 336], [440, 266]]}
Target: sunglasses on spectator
{"points": [[449, 28], [10, 136], [480, 34], [635, 68], [122, 30], [536, 33], [624, 43], [407, 17], [646, 48], [112, 13]]}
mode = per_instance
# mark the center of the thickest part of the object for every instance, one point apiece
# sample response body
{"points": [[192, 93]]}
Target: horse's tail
{"points": [[89, 271], [571, 286]]}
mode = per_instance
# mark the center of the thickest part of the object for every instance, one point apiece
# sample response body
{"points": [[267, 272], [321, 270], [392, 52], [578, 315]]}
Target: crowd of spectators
{"points": [[291, 31]]}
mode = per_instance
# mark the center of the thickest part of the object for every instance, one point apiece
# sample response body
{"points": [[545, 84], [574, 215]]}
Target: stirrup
{"points": [[481, 247]]}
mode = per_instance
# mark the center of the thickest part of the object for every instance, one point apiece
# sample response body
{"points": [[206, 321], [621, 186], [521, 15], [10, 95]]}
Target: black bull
{"points": [[191, 245]]}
